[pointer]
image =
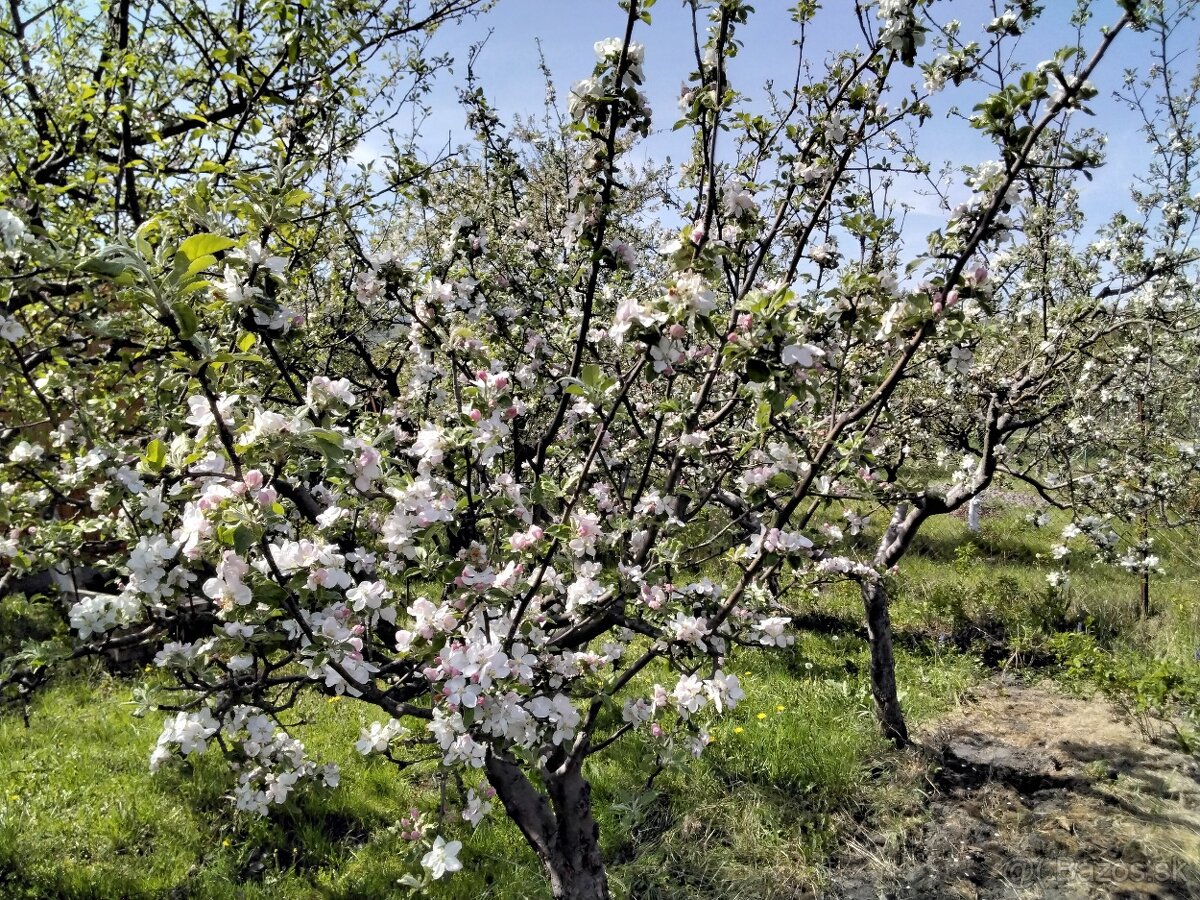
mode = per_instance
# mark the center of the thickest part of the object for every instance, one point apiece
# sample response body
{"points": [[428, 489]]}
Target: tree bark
{"points": [[1144, 521], [883, 664], [906, 521], [558, 825], [899, 534], [578, 870]]}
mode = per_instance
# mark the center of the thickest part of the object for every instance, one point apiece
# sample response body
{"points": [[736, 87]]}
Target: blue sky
{"points": [[568, 28]]}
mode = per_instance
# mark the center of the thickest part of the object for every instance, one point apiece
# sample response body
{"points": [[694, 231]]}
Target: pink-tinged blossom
{"points": [[586, 528], [724, 690], [186, 733], [631, 312], [233, 289], [227, 586], [371, 595], [477, 807], [689, 695], [691, 296], [429, 448], [379, 736], [690, 629], [776, 540], [526, 540], [256, 255], [737, 201]]}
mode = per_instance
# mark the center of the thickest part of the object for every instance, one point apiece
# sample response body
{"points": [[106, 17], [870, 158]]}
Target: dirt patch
{"points": [[1035, 793]]}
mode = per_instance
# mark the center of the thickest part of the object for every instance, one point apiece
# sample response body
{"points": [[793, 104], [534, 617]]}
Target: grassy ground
{"points": [[80, 815], [795, 773]]}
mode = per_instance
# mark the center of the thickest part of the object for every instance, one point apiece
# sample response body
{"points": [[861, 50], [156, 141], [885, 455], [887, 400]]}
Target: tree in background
{"points": [[1044, 377]]}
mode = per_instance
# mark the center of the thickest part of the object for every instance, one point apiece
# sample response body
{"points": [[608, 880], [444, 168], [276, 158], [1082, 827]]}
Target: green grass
{"points": [[796, 769], [1001, 581], [81, 816]]}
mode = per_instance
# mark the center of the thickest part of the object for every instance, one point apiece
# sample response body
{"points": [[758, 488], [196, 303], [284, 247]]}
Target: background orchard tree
{"points": [[1127, 464], [1123, 461], [1011, 405], [432, 461], [1034, 380], [939, 405]]}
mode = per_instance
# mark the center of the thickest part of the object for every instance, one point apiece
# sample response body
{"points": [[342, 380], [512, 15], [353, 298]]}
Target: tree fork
{"points": [[558, 825]]}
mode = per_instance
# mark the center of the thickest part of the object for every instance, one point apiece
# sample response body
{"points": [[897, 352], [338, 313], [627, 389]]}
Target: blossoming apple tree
{"points": [[1123, 460], [468, 457], [1038, 374]]}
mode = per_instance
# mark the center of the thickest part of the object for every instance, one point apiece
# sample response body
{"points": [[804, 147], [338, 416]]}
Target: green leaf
{"points": [[762, 414], [186, 317], [243, 539], [246, 341], [156, 454], [195, 286], [199, 245], [270, 593], [757, 370], [200, 263], [296, 197], [97, 266], [224, 357], [328, 443]]}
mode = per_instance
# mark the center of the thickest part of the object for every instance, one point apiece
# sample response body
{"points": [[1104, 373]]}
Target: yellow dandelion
{"points": [[761, 716], [738, 730], [780, 708]]}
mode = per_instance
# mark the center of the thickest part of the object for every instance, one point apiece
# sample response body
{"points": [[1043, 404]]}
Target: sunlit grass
{"points": [[797, 764], [81, 816]]}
